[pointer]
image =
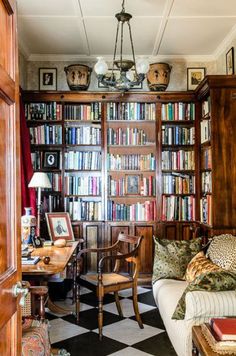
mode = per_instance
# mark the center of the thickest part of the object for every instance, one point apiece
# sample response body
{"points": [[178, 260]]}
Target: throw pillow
{"points": [[222, 251], [211, 281], [199, 264], [172, 257]]}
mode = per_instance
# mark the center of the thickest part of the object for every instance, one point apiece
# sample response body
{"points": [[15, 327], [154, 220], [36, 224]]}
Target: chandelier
{"points": [[130, 72]]}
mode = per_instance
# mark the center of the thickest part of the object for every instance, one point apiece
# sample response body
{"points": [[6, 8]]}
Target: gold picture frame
{"points": [[59, 226], [132, 184]]}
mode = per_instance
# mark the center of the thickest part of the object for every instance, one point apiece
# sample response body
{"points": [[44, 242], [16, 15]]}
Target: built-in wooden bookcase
{"points": [[140, 163]]}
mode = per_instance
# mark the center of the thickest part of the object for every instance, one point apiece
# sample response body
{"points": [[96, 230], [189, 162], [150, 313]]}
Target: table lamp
{"points": [[39, 180]]}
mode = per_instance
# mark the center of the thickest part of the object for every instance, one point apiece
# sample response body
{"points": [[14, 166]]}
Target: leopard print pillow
{"points": [[199, 264], [222, 251]]}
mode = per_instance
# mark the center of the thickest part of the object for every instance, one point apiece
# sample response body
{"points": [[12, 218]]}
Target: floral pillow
{"points": [[199, 264], [172, 257], [211, 281]]}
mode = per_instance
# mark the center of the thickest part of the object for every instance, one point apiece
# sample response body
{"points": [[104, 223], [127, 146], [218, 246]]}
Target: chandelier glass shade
{"points": [[131, 73]]}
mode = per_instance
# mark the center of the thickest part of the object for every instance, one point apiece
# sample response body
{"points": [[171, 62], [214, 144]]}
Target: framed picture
{"points": [[194, 77], [47, 78], [59, 226], [51, 159], [116, 73], [132, 184], [230, 61]]}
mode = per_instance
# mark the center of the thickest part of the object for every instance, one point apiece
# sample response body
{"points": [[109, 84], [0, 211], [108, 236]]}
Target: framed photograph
{"points": [[47, 78], [230, 61], [132, 184], [59, 226], [116, 73], [194, 77], [51, 159]]}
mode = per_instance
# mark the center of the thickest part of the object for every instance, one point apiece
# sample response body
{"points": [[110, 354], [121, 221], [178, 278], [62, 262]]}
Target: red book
{"points": [[225, 328]]}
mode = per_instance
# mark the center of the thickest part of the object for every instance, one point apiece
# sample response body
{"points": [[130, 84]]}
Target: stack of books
{"points": [[221, 335], [30, 260]]}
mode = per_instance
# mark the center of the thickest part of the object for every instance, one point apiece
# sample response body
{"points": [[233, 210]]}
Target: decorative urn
{"points": [[78, 76], [158, 76]]}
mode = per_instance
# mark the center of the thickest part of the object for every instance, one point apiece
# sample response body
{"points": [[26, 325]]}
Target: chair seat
{"points": [[35, 339], [108, 279]]}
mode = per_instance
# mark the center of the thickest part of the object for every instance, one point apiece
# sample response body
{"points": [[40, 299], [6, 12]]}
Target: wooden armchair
{"points": [[35, 337], [103, 283]]}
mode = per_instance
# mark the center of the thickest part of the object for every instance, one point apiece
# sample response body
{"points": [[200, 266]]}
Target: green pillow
{"points": [[212, 281], [172, 257]]}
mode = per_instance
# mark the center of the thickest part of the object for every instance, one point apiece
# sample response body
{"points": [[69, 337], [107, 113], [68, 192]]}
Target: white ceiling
{"points": [[85, 29]]}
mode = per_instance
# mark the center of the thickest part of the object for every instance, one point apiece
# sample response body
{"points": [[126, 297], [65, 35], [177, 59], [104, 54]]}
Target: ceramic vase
{"points": [[28, 227], [78, 76], [158, 76]]}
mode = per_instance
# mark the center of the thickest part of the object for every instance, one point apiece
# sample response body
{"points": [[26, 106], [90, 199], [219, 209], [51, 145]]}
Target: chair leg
{"points": [[118, 306], [77, 302], [135, 305], [100, 316]]}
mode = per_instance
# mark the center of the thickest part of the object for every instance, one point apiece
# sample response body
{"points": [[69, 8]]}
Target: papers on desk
{"points": [[30, 260]]}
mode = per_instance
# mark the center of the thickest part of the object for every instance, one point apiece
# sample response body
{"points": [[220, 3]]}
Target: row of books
{"points": [[178, 208], [38, 159], [131, 212], [178, 135], [205, 210], [128, 136], [131, 162], [131, 111], [51, 203], [83, 210], [206, 158], [77, 185], [205, 128], [178, 160], [43, 111], [206, 107], [206, 182], [56, 181], [118, 187], [83, 160], [178, 111], [83, 135], [46, 135], [83, 112], [172, 184]]}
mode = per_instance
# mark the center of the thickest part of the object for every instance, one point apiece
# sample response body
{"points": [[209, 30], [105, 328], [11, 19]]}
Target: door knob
{"points": [[18, 289]]}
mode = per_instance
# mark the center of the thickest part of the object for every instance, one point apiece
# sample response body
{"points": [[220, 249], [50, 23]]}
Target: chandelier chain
{"points": [[114, 56], [123, 6], [132, 47], [121, 42]]}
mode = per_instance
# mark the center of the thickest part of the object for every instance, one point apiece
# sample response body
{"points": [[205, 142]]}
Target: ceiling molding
{"points": [[222, 48], [83, 28], [83, 58]]}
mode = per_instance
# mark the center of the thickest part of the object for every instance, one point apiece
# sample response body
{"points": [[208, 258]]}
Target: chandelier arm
{"points": [[121, 44], [114, 56], [132, 47]]}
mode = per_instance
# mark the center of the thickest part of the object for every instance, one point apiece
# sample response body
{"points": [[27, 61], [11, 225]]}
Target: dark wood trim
{"points": [[7, 87], [9, 5]]}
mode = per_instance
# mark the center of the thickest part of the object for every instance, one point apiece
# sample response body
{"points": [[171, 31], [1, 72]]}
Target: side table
{"points": [[200, 345]]}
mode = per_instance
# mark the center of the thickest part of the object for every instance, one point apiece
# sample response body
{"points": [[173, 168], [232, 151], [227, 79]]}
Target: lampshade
{"points": [[39, 180]]}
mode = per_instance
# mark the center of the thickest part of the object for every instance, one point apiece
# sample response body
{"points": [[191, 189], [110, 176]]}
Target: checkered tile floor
{"points": [[121, 336]]}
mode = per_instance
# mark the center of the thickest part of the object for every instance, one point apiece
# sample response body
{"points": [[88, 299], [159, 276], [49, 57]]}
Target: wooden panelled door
{"points": [[10, 274]]}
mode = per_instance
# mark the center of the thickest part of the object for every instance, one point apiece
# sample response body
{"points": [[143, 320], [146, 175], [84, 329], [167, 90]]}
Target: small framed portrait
{"points": [[116, 73], [194, 77], [51, 159], [59, 226], [230, 61], [47, 78], [132, 184]]}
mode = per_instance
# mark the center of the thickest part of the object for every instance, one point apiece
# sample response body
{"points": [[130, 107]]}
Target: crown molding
{"points": [[225, 43]]}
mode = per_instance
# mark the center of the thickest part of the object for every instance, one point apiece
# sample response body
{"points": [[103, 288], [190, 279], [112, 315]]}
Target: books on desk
{"points": [[225, 328], [30, 260], [217, 345]]}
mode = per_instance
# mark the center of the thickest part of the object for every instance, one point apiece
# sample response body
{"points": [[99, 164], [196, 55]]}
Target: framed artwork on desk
{"points": [[59, 226]]}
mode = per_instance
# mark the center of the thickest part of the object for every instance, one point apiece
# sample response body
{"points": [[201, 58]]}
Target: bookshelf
{"points": [[140, 163]]}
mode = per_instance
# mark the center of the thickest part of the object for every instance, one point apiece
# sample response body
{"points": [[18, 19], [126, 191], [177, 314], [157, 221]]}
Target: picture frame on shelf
{"points": [[230, 61], [194, 77], [132, 184], [51, 159], [116, 73], [47, 78], [59, 226]]}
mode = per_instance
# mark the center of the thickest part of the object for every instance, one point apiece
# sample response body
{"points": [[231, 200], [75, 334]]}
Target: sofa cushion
{"points": [[171, 257], [199, 264], [212, 281], [222, 251]]}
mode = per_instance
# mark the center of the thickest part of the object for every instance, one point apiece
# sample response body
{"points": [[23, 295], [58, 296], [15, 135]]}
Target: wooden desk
{"points": [[59, 258], [201, 345]]}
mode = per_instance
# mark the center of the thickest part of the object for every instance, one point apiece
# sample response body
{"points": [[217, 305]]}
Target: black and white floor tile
{"points": [[121, 336]]}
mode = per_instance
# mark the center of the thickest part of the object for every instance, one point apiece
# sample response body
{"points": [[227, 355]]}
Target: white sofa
{"points": [[200, 307]]}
